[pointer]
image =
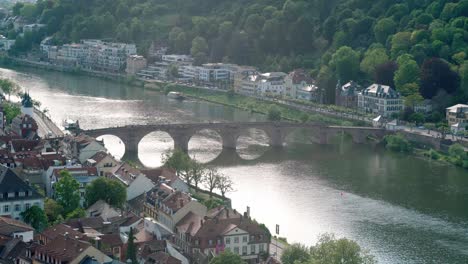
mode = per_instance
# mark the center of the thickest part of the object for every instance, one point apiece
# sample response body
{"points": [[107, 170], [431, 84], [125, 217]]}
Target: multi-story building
{"points": [[189, 72], [16, 196], [212, 72], [299, 80], [271, 84], [83, 176], [70, 55], [157, 70], [5, 44], [380, 99], [135, 63], [178, 59], [457, 114], [347, 95]]}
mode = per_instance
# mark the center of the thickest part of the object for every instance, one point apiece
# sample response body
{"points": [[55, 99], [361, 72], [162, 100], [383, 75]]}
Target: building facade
{"points": [[347, 95], [380, 99]]}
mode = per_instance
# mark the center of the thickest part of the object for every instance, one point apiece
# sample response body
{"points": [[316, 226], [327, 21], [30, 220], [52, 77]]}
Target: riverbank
{"points": [[248, 104]]}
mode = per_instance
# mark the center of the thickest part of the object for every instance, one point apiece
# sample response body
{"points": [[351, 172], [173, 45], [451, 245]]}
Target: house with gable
{"points": [[103, 161]]}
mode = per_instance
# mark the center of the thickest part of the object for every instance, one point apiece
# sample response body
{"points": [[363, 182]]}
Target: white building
{"points": [[380, 99], [271, 84], [189, 72], [300, 85], [16, 196], [178, 59], [212, 72], [5, 44]]}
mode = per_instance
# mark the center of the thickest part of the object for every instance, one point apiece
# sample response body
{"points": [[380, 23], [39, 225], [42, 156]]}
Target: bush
{"points": [[397, 143], [274, 113], [434, 154]]}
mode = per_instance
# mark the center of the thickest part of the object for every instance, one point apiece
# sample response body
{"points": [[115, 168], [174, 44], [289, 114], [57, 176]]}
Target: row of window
{"points": [[17, 207], [236, 250], [245, 239]]}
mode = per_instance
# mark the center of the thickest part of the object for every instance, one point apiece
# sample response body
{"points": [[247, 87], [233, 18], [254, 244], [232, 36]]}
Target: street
{"points": [[46, 128]]}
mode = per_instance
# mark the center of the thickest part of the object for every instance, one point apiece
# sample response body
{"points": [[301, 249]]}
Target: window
{"points": [[252, 249], [210, 242], [22, 194], [236, 250], [6, 208], [228, 240], [17, 207], [245, 238], [260, 248], [11, 194], [244, 250], [236, 239], [27, 206]]}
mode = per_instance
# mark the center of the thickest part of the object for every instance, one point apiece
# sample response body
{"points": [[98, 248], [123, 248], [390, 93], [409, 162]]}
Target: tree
{"points": [[197, 172], [401, 43], [295, 253], [8, 87], [408, 72], [67, 192], [178, 160], [53, 210], [227, 257], [345, 62], [77, 213], [199, 49], [397, 143], [274, 113], [436, 74], [373, 58], [225, 184], [336, 251], [131, 248], [110, 191], [385, 73], [384, 28], [211, 179], [457, 151], [36, 217], [11, 111]]}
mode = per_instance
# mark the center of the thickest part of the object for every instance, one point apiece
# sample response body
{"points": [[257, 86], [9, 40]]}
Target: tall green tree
{"points": [[373, 58], [131, 247], [67, 192], [345, 62], [295, 253], [408, 72], [383, 29], [36, 217], [110, 191]]}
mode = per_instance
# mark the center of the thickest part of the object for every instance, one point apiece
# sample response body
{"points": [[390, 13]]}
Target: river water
{"points": [[402, 209]]}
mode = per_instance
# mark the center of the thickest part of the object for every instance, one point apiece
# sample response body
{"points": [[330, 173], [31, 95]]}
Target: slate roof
{"points": [[60, 230], [10, 182], [64, 248], [8, 226]]}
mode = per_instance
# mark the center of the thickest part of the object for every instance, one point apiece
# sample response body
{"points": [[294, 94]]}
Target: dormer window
{"points": [[11, 194], [210, 242], [22, 194]]}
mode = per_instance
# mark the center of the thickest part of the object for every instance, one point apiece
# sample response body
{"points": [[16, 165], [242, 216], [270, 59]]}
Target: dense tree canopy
{"points": [[110, 191], [335, 39], [67, 193]]}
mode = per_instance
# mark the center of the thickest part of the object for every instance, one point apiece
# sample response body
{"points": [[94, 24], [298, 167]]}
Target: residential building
{"points": [[189, 72], [457, 114], [156, 70], [157, 50], [103, 210], [13, 251], [234, 232], [16, 229], [213, 72], [248, 85], [135, 63], [178, 59], [240, 77], [16, 196], [423, 107], [104, 162], [347, 95], [25, 126], [271, 84], [380, 99], [168, 177], [66, 249], [87, 149], [135, 181], [84, 176], [70, 55], [300, 85]]}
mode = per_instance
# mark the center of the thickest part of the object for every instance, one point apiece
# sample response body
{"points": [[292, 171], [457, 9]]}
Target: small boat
{"points": [[176, 95], [70, 124]]}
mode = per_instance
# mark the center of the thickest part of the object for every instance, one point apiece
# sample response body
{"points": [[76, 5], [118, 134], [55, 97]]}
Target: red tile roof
{"points": [[63, 248]]}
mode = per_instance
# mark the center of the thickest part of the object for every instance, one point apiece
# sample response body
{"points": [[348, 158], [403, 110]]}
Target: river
{"points": [[403, 209]]}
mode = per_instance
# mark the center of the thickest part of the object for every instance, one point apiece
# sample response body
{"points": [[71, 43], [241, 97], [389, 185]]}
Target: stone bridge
{"points": [[230, 132]]}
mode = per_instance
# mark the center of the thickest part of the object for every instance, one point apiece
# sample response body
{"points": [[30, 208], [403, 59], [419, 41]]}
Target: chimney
{"points": [[181, 201], [248, 212]]}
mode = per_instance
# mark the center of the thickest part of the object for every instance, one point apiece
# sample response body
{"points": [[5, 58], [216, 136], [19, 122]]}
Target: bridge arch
{"points": [[205, 145], [113, 144], [152, 146]]}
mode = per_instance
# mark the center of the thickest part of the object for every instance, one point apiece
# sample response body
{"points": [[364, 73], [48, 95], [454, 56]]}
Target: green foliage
{"points": [[345, 61], [397, 143], [330, 250], [36, 217], [131, 247], [67, 192], [457, 151], [11, 111], [295, 253], [53, 210], [227, 257], [373, 58], [110, 191], [77, 213], [274, 114], [407, 73]]}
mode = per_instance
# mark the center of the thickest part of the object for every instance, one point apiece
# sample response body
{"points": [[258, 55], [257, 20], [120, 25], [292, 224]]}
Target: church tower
{"points": [[27, 105]]}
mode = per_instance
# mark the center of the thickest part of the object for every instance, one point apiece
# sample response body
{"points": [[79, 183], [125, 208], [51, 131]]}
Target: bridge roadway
{"points": [[231, 131]]}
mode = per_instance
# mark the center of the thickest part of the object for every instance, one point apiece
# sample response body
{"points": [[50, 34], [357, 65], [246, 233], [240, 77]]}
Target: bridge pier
{"points": [[229, 137], [181, 140], [277, 137], [131, 142]]}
